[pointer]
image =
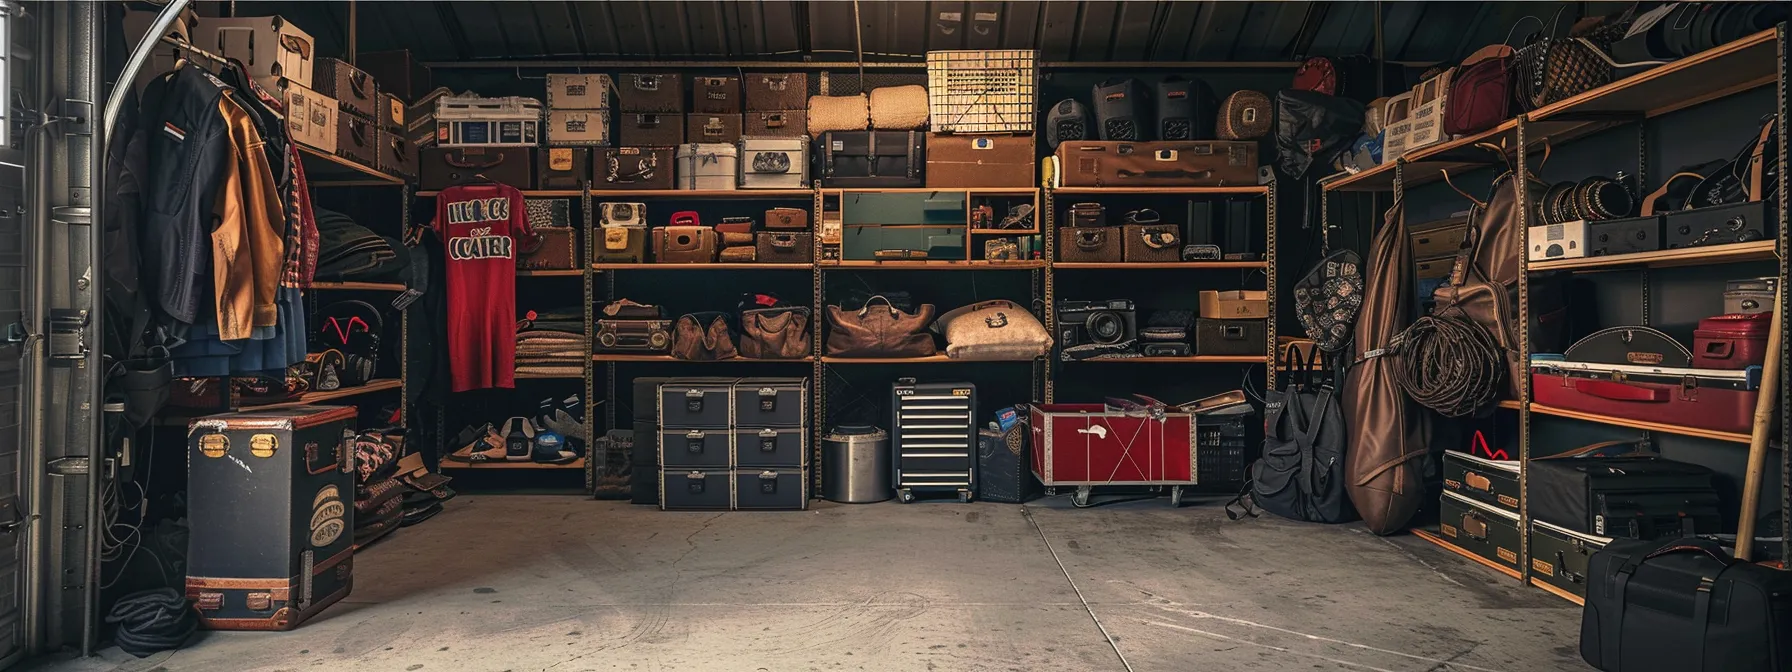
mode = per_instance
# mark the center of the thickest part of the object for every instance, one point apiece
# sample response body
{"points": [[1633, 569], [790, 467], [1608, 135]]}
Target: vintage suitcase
{"points": [[1438, 239], [578, 127], [786, 247], [735, 225], [649, 129], [777, 124], [1151, 243], [398, 73], [1749, 295], [771, 447], [787, 219], [644, 457], [684, 244], [776, 91], [734, 238], [633, 336], [619, 245], [771, 402], [712, 94], [269, 47], [650, 92], [558, 252], [562, 168], [471, 120], [1638, 496], [443, 167], [1003, 463], [1236, 304], [354, 90], [395, 155], [955, 161], [1146, 164], [1713, 399], [279, 482], [695, 448], [783, 489], [1486, 531], [696, 490], [1095, 444], [852, 159], [631, 168], [1090, 244], [356, 139], [1559, 556], [707, 166], [1230, 337], [712, 128], [1684, 605], [1735, 341], [390, 113], [420, 118], [311, 117], [578, 91], [774, 163], [1720, 224], [1492, 482], [1624, 236], [933, 437], [697, 403]]}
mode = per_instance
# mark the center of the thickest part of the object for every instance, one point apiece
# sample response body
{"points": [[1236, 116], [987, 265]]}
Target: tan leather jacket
{"points": [[248, 243]]}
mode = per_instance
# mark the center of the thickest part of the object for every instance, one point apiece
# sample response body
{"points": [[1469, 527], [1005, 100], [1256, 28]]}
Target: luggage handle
{"points": [[1718, 349], [1615, 391], [693, 442], [1476, 481], [1090, 240], [457, 158], [773, 119], [1475, 525], [357, 82]]}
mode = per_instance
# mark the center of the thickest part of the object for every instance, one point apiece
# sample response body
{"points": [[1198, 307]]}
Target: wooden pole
{"points": [[1757, 444]]}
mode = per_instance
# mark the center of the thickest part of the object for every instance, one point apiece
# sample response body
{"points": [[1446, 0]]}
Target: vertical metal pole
{"points": [[1785, 305], [354, 15], [1047, 216], [817, 369], [1520, 181], [1269, 269], [587, 218]]}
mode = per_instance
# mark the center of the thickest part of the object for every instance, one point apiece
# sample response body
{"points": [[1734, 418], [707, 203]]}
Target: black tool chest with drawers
{"points": [[934, 437], [733, 443]]}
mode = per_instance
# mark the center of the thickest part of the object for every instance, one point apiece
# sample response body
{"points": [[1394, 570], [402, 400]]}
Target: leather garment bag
{"points": [[1389, 434], [1485, 290], [880, 331]]}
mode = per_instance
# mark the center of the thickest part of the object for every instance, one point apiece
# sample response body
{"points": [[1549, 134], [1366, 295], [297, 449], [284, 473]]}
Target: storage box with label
{"points": [[270, 47], [567, 91], [310, 117], [480, 121], [774, 163], [1429, 99], [707, 166], [578, 127], [1397, 131], [1241, 304]]}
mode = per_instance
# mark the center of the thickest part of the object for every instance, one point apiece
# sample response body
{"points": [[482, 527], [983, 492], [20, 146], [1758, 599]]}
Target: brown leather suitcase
{"points": [[1151, 243], [391, 113], [980, 161], [783, 247], [649, 129], [787, 218], [775, 91], [777, 124], [559, 251], [650, 92], [631, 168], [735, 225], [685, 244], [715, 94], [354, 90], [356, 139], [712, 128], [734, 238], [1092, 163], [442, 167], [395, 154], [619, 245], [562, 167], [1090, 244]]}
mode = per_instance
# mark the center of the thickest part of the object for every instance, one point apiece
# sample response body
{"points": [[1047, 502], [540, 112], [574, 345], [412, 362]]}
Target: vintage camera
{"points": [[1097, 323], [623, 214]]}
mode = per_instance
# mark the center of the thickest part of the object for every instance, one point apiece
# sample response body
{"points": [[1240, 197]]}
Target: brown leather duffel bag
{"points": [[876, 331], [774, 333]]}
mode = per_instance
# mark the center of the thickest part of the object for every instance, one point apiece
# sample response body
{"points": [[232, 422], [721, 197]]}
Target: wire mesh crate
{"points": [[982, 91]]}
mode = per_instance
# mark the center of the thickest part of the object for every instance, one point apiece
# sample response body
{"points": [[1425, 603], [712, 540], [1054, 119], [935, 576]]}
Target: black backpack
{"points": [[1301, 473]]}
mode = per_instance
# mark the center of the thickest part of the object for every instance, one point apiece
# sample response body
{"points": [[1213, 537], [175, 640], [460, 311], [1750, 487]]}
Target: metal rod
{"points": [[353, 15], [34, 454], [139, 55], [88, 82], [1520, 181]]}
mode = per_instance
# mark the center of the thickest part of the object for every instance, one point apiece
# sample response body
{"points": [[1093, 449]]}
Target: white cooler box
{"points": [[707, 166], [774, 162]]}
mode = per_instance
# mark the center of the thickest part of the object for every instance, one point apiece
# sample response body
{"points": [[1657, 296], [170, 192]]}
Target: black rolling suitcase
{"points": [[1684, 605], [1636, 496]]}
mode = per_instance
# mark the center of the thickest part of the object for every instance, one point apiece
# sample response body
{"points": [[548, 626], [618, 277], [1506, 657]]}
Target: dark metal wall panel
{"points": [[1020, 25], [1133, 30], [946, 25], [1095, 32], [597, 27], [983, 27], [710, 33], [829, 24], [484, 30], [559, 31], [1057, 34], [1175, 30], [634, 28], [783, 22], [669, 26], [1216, 31]]}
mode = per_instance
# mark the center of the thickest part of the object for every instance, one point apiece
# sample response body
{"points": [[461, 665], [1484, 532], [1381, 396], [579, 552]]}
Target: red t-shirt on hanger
{"points": [[482, 227]]}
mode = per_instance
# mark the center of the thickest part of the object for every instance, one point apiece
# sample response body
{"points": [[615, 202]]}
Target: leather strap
{"points": [[1757, 164], [1654, 196]]}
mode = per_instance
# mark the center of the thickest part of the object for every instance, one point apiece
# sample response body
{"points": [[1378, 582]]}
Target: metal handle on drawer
{"points": [[693, 441], [693, 401], [696, 482], [768, 440]]}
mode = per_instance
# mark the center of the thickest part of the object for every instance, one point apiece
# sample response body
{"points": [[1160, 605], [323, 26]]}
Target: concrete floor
{"points": [[566, 584]]}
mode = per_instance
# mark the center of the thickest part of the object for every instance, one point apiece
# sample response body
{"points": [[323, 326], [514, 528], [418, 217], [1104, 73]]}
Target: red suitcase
{"points": [[1714, 399], [1094, 444], [1735, 341]]}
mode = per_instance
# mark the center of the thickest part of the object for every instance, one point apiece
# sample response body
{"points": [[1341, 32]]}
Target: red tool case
{"points": [[1717, 399], [1086, 445], [1734, 341]]}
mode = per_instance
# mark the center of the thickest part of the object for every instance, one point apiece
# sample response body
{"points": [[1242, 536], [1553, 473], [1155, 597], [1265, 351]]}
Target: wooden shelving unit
{"points": [[668, 359], [1180, 265], [560, 273], [930, 359], [702, 267], [528, 193], [371, 387], [451, 464], [1760, 250], [619, 194], [932, 265], [328, 170], [361, 286], [1732, 437], [1191, 359], [1243, 189]]}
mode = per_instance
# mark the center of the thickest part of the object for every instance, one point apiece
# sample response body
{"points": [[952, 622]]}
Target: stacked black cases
{"points": [[270, 509], [727, 443], [934, 438], [644, 416], [695, 437], [771, 443]]}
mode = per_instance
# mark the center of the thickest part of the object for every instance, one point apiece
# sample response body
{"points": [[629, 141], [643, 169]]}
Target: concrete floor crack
{"points": [[1027, 513]]}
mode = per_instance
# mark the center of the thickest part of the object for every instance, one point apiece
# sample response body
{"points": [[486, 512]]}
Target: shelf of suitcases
{"points": [[452, 464], [323, 169], [1726, 70], [366, 286], [933, 265], [1760, 250], [1082, 265], [1190, 359], [613, 357], [1733, 437], [940, 358], [613, 194], [1166, 191], [702, 267]]}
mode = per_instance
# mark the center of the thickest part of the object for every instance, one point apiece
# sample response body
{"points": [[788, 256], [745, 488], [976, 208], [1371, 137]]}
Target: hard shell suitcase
{"points": [[774, 163], [279, 482], [1493, 482], [570, 91], [955, 161], [1560, 556], [712, 128], [354, 90], [1684, 605], [631, 168], [696, 448], [776, 123], [562, 168], [1714, 399], [443, 167], [1751, 295], [1735, 341], [685, 244], [619, 245], [716, 94], [696, 403], [578, 127], [1721, 224], [649, 129], [696, 489], [1085, 163], [776, 91], [357, 140], [771, 402], [1631, 496], [650, 92], [1486, 531], [852, 159], [708, 166]]}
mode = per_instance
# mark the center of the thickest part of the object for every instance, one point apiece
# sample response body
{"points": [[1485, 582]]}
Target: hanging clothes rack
{"points": [[195, 51]]}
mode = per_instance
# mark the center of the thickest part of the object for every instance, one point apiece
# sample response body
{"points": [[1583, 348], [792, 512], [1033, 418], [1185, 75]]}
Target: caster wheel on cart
{"points": [[906, 496], [1051, 492], [1176, 497], [1081, 498], [964, 496]]}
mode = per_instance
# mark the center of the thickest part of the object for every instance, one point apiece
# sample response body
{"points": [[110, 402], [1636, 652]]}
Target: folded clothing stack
{"points": [[348, 250], [551, 343], [377, 490]]}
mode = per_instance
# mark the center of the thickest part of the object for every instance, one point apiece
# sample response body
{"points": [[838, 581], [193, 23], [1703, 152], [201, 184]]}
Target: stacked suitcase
{"points": [[934, 438], [981, 106], [489, 138], [578, 119], [358, 134], [733, 444]]}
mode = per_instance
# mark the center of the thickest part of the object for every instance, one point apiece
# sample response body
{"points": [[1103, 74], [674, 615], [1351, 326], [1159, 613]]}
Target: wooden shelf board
{"points": [[1167, 191], [1760, 250], [1425, 164], [609, 194], [560, 273], [1734, 437], [939, 225], [1004, 232], [328, 170], [701, 267], [936, 265], [535, 193], [1510, 404], [1435, 538], [610, 357], [986, 191], [1191, 359], [451, 464], [1558, 592], [369, 286], [540, 376], [1191, 265], [930, 359], [332, 395]]}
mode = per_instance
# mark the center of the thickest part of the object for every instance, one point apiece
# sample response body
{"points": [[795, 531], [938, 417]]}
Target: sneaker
{"points": [[565, 417], [550, 448], [519, 439], [482, 444]]}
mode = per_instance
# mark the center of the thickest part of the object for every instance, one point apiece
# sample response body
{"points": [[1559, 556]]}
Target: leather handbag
{"points": [[775, 333], [1556, 64], [684, 244], [703, 337], [1089, 244], [1481, 93], [1151, 243], [787, 218], [1245, 115], [879, 331], [781, 247]]}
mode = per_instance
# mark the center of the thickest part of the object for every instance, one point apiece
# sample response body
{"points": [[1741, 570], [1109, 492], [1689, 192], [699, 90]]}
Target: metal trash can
{"points": [[856, 465]]}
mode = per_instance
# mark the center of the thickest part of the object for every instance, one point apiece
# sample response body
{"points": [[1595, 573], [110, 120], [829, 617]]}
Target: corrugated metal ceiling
{"points": [[899, 30]]}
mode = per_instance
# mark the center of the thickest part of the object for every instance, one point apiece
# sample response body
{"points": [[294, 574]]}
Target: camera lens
{"points": [[1106, 327]]}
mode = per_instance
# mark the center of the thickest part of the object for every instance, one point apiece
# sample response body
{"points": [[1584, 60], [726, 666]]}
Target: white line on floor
{"points": [[1028, 514], [1216, 635], [1317, 638]]}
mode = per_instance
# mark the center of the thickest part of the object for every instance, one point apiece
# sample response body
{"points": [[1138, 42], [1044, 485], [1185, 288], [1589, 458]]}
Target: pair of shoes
{"points": [[525, 441], [479, 445], [565, 417]]}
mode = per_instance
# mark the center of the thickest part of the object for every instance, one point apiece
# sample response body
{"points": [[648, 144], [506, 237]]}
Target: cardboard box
{"points": [[270, 47], [310, 117], [1241, 304]]}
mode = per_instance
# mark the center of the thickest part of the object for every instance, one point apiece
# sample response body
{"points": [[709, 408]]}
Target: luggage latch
{"points": [[693, 401], [768, 440], [768, 482], [67, 329], [1689, 388], [696, 482], [768, 400]]}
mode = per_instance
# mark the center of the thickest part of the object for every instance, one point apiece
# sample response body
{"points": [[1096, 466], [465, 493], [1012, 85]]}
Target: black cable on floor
{"points": [[151, 621]]}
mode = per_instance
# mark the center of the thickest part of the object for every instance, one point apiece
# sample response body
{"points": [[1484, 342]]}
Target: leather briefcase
{"points": [[397, 156], [650, 92], [632, 168], [619, 245], [1090, 244], [558, 251], [685, 244], [775, 333], [357, 140], [715, 94], [787, 218], [1628, 495], [564, 168], [354, 90], [851, 159], [703, 337], [981, 161], [784, 247], [443, 167], [776, 124], [1151, 243], [649, 129], [776, 91], [1145, 164]]}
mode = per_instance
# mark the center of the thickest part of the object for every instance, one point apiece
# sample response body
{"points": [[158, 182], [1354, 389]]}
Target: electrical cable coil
{"points": [[1450, 365]]}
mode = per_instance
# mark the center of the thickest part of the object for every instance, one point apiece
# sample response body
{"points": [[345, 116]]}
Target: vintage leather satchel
{"points": [[1483, 285], [1152, 243], [993, 330], [787, 218], [685, 244], [775, 333], [703, 337], [879, 330], [1481, 94]]}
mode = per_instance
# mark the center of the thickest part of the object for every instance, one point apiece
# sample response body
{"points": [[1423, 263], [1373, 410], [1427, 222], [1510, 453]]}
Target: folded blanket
{"points": [[566, 370]]}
